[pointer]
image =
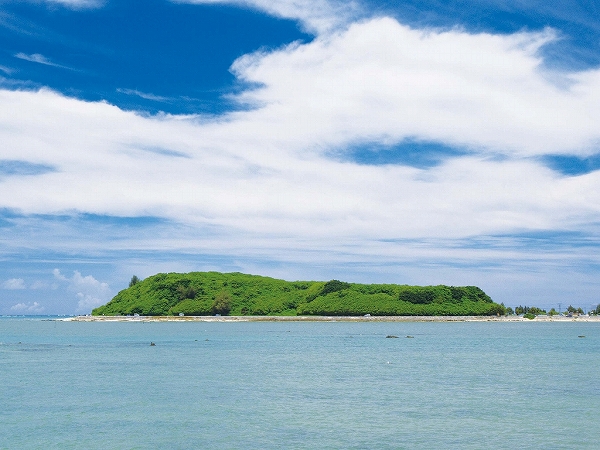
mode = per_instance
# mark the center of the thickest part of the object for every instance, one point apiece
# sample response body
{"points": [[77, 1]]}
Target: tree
{"points": [[222, 303], [134, 280], [334, 286], [529, 310], [186, 292]]}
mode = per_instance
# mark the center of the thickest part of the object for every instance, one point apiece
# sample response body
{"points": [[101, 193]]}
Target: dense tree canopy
{"points": [[208, 293]]}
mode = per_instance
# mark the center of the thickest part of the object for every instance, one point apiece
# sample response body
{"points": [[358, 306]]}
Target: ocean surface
{"points": [[274, 385]]}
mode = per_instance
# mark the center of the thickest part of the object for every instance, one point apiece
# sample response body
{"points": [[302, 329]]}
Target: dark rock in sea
{"points": [[410, 337], [391, 336]]}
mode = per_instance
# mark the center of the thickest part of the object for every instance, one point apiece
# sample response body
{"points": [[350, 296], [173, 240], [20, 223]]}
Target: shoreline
{"points": [[329, 319]]}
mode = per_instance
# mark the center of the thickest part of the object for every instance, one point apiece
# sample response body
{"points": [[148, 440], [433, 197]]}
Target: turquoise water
{"points": [[266, 385]]}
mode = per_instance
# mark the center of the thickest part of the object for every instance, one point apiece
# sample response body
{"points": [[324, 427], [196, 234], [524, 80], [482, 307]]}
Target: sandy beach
{"points": [[557, 318]]}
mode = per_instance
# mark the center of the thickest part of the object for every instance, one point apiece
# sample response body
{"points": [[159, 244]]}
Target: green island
{"points": [[215, 293]]}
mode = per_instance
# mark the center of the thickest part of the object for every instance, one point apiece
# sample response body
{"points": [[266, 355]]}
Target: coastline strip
{"points": [[90, 318]]}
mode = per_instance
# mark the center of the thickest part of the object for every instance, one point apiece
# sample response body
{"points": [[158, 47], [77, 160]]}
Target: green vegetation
{"points": [[208, 293], [530, 312], [571, 309], [533, 310], [134, 280]]}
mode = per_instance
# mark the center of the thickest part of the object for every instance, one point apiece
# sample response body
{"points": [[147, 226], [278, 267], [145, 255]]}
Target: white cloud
{"points": [[89, 291], [59, 276], [382, 81], [317, 16], [263, 183], [87, 302], [14, 284], [77, 4], [40, 59], [24, 308], [38, 285], [143, 95], [36, 58], [267, 169]]}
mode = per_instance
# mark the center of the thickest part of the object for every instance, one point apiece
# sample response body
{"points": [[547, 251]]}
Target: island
{"points": [[237, 294]]}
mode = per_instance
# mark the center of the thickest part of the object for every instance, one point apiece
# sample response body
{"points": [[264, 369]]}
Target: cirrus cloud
{"points": [[39, 59], [74, 4]]}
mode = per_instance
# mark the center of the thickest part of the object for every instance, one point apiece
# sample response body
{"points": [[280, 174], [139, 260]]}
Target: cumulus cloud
{"points": [[14, 284], [89, 291], [25, 308], [59, 276], [87, 302]]}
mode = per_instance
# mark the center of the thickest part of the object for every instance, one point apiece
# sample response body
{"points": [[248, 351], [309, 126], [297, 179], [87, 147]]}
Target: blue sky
{"points": [[373, 141]]}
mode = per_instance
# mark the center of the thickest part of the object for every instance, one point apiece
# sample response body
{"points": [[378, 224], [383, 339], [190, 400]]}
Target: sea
{"points": [[298, 385]]}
